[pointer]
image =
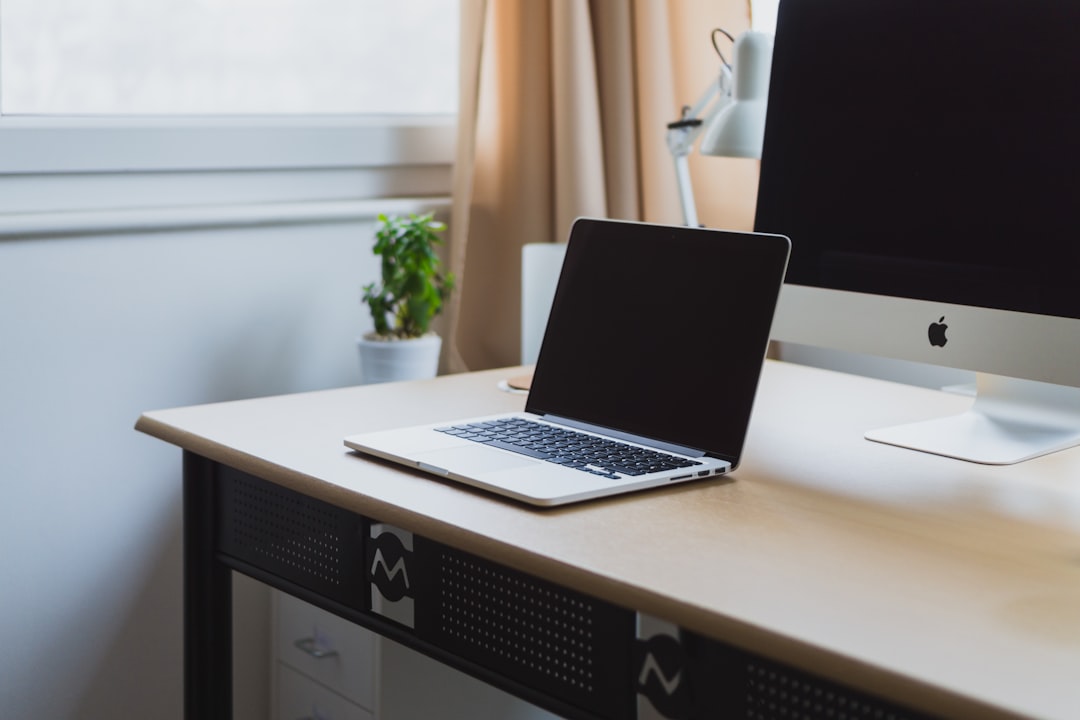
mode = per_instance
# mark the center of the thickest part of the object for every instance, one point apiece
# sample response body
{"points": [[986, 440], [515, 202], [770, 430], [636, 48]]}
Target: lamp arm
{"points": [[682, 133]]}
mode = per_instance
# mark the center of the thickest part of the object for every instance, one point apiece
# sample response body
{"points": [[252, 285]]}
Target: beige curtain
{"points": [[563, 111]]}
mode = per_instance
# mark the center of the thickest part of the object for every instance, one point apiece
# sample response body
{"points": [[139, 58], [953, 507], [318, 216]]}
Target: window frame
{"points": [[30, 144]]}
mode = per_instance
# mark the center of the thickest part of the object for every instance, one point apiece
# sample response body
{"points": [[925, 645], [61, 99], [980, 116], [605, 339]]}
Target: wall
{"points": [[95, 329]]}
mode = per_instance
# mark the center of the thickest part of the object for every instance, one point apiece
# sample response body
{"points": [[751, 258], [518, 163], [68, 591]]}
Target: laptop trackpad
{"points": [[472, 460]]}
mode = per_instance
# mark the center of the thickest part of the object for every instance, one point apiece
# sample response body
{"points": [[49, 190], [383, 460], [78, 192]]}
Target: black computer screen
{"points": [[660, 331], [928, 149]]}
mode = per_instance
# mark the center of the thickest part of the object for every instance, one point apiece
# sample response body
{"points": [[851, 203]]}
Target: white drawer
{"points": [[300, 698], [326, 648]]}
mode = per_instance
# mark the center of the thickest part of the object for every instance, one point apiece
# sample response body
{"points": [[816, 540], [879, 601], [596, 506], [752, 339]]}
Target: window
{"points": [[182, 85], [183, 57]]}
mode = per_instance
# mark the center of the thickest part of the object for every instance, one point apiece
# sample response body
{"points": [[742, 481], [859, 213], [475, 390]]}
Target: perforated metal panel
{"points": [[729, 682], [564, 643], [301, 539], [773, 691], [520, 621]]}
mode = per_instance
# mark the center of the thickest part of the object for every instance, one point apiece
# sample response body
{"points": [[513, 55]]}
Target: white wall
{"points": [[94, 330]]}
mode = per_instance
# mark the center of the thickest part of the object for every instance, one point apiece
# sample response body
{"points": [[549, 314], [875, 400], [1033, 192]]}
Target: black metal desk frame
{"points": [[575, 655]]}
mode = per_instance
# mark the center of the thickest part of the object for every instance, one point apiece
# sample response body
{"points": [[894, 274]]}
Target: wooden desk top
{"points": [[929, 581]]}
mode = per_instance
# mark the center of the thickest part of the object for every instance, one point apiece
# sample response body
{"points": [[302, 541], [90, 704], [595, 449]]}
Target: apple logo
{"points": [[936, 332]]}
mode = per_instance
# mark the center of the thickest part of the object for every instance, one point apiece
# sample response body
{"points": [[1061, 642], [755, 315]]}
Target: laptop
{"points": [[646, 374]]}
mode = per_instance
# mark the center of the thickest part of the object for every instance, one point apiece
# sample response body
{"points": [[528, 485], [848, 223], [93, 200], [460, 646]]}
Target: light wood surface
{"points": [[936, 583]]}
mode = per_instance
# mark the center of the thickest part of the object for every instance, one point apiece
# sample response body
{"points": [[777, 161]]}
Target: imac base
{"points": [[1010, 421]]}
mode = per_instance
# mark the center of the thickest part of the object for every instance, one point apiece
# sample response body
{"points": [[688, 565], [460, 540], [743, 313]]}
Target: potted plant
{"points": [[409, 296]]}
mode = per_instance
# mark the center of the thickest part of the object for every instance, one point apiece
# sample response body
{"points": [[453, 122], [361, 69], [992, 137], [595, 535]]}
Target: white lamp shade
{"points": [[738, 130]]}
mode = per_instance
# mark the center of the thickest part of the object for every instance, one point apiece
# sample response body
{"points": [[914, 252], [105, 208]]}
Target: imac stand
{"points": [[1010, 421]]}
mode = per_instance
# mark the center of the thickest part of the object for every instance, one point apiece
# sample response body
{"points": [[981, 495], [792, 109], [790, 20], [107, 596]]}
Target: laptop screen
{"points": [[660, 331]]}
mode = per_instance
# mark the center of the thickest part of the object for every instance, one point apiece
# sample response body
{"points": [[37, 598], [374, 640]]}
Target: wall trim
{"points": [[101, 222]]}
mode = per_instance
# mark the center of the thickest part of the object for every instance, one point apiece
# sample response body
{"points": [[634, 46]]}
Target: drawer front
{"points": [[300, 698], [326, 648]]}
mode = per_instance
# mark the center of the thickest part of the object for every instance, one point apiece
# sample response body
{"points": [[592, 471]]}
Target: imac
{"points": [[924, 158]]}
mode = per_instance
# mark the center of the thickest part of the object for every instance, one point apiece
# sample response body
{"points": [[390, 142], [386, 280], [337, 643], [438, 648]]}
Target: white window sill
{"points": [[54, 224], [166, 144]]}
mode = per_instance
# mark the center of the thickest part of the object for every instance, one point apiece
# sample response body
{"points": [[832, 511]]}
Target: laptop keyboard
{"points": [[568, 448]]}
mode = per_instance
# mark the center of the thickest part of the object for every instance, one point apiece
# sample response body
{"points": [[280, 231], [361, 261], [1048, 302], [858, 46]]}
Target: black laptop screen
{"points": [[660, 331]]}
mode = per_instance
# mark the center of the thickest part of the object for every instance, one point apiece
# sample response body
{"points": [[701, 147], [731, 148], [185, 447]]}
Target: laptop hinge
{"points": [[629, 437]]}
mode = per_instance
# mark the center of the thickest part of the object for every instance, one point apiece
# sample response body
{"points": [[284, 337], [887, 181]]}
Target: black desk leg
{"points": [[207, 600]]}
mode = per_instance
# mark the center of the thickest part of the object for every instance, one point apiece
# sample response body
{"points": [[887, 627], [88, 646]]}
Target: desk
{"points": [[828, 571]]}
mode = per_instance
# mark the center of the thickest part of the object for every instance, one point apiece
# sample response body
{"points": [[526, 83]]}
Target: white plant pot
{"points": [[392, 360]]}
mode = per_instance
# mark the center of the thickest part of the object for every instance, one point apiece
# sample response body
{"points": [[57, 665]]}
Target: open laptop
{"points": [[646, 375]]}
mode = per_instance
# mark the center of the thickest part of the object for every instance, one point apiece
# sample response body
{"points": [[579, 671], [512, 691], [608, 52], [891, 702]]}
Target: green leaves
{"points": [[412, 290]]}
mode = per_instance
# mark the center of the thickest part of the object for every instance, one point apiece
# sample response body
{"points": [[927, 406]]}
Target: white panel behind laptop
{"points": [[540, 266]]}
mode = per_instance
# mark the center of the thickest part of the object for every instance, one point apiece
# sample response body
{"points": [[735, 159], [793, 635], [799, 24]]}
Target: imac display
{"points": [[924, 158]]}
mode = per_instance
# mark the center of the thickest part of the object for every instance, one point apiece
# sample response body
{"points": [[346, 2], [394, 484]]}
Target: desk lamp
{"points": [[731, 112]]}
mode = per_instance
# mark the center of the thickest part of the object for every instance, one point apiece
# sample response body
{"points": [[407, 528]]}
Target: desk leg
{"points": [[207, 600]]}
